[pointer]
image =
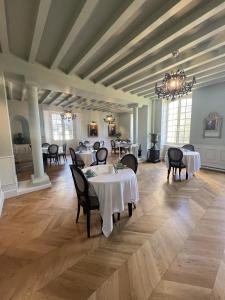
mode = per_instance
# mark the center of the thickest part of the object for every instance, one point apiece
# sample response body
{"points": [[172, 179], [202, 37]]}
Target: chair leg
{"points": [[118, 216], [130, 209], [186, 175], [88, 222], [179, 174], [113, 218], [168, 175], [78, 213]]}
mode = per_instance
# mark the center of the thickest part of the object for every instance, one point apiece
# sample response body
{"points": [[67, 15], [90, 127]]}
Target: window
{"points": [[61, 129], [179, 121]]}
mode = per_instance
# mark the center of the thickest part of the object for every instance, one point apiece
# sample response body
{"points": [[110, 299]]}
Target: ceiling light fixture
{"points": [[174, 84], [68, 115], [109, 119]]}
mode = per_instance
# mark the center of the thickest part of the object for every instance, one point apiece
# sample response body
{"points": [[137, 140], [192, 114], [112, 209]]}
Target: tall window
{"points": [[61, 129], [179, 121]]}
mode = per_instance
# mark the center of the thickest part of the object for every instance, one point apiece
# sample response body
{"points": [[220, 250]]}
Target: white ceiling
{"points": [[122, 44]]}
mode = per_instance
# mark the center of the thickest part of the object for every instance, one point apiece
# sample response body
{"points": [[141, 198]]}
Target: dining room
{"points": [[112, 149]]}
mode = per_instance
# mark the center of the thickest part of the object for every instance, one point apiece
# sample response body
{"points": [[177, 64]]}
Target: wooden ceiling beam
{"points": [[81, 20], [155, 20], [113, 28], [204, 13], [43, 10]]}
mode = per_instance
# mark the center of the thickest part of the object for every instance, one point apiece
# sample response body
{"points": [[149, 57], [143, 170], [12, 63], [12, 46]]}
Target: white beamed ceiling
{"points": [[110, 52]]}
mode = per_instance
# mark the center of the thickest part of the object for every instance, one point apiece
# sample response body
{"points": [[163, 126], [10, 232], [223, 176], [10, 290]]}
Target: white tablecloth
{"points": [[191, 160], [87, 156], [45, 150], [114, 191]]}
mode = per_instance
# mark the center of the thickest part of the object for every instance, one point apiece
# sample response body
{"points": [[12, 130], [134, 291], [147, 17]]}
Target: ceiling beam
{"points": [[113, 28], [202, 54], [209, 68], [184, 44], [53, 80], [187, 23], [55, 96], [44, 96], [160, 16], [43, 10], [66, 98], [84, 15], [3, 28]]}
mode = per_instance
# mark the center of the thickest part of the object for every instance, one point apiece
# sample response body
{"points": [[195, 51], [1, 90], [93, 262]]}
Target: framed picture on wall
{"points": [[111, 129], [92, 129], [213, 126]]}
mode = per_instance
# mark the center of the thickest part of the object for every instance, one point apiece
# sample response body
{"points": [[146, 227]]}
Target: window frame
{"points": [[63, 126], [177, 139]]}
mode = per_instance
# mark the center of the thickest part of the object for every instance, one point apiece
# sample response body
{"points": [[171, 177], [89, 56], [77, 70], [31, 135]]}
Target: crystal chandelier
{"points": [[68, 115], [174, 84], [109, 119]]}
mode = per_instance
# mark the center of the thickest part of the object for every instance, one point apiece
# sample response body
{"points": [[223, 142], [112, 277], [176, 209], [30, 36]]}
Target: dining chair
{"points": [[53, 153], [101, 157], [86, 195], [113, 146], [96, 145], [189, 147], [63, 154], [45, 145], [77, 162], [130, 161], [175, 156]]}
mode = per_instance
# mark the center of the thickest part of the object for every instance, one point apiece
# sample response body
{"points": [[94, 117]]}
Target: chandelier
{"points": [[68, 115], [174, 85], [109, 119]]}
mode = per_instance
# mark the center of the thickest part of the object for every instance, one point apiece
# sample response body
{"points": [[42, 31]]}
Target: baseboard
{"points": [[213, 168]]}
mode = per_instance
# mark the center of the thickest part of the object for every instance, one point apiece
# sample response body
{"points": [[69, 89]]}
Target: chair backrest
{"points": [[86, 142], [96, 145], [64, 147], [101, 155], [81, 185], [53, 149], [45, 144], [189, 147], [73, 156], [175, 155], [130, 161], [113, 144]]}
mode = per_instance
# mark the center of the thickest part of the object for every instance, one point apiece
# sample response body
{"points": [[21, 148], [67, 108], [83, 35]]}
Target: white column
{"points": [[134, 106], [39, 176]]}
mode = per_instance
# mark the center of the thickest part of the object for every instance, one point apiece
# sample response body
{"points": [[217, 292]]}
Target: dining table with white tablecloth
{"points": [[88, 156], [191, 159], [114, 191]]}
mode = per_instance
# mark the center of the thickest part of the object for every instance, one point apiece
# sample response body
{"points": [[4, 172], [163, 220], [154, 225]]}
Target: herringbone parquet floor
{"points": [[172, 248]]}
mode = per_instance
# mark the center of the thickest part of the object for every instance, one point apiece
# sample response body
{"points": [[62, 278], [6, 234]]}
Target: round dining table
{"points": [[114, 191], [191, 159], [88, 156]]}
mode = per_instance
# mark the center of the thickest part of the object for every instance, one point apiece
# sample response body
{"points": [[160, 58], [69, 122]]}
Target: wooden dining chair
{"points": [[130, 161], [175, 156], [101, 157], [53, 153], [85, 195], [77, 162], [63, 154]]}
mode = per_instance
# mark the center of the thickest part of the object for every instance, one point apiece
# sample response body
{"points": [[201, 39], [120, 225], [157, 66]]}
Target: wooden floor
{"points": [[172, 248]]}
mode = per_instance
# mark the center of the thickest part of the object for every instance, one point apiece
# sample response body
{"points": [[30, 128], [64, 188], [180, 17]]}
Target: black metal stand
{"points": [[153, 155]]}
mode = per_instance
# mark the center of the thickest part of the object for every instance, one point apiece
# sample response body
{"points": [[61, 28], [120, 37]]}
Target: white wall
{"points": [[80, 123], [124, 125], [206, 100]]}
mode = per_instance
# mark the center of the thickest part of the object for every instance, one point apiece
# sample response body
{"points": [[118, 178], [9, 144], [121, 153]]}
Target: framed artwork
{"points": [[111, 129], [92, 129], [212, 126]]}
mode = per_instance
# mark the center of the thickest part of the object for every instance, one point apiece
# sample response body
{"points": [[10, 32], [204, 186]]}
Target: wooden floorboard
{"points": [[172, 247]]}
